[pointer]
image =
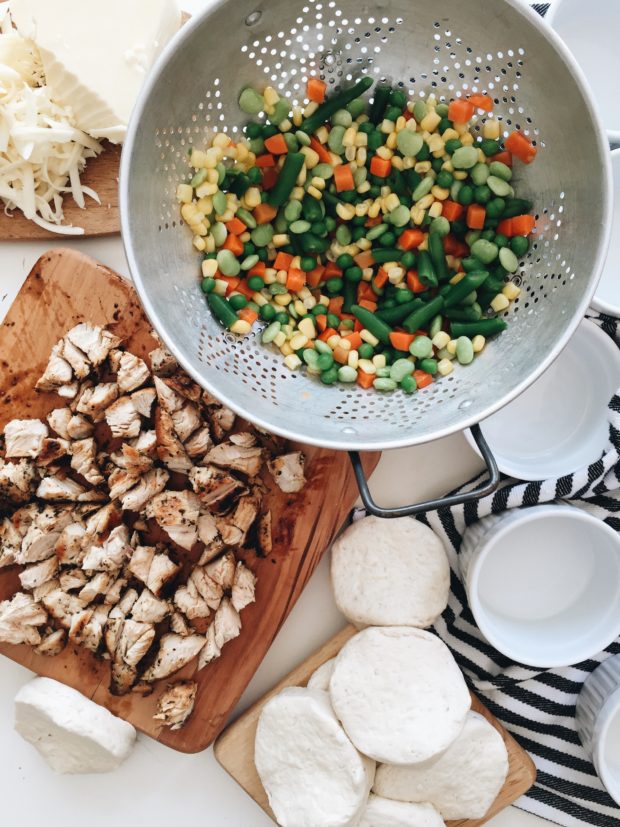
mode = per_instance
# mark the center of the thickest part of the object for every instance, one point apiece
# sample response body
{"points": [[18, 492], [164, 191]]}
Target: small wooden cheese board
{"points": [[63, 289], [234, 749]]}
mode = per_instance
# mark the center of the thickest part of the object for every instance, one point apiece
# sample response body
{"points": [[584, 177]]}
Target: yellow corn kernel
{"points": [[210, 242], [283, 300], [385, 191], [200, 229], [198, 159], [299, 307], [367, 272], [467, 139], [379, 360], [385, 153], [436, 144], [281, 240], [221, 140], [511, 291], [206, 189], [227, 216], [230, 152], [259, 299], [321, 134], [209, 268], [450, 135], [317, 182], [499, 303], [271, 276], [298, 193], [345, 211], [425, 202], [391, 140], [398, 162], [461, 128], [459, 174], [417, 216], [391, 202], [458, 277], [361, 139], [280, 339], [286, 349], [367, 366], [447, 166], [361, 156], [369, 337], [451, 347], [307, 329], [430, 121], [387, 127], [440, 193], [285, 125], [310, 302], [444, 367], [333, 341], [281, 276], [344, 344], [361, 209], [423, 167], [205, 205], [270, 96], [312, 157], [213, 176], [348, 139], [221, 287], [315, 193], [353, 358], [188, 211], [185, 193], [482, 158], [350, 152], [478, 343], [252, 197], [441, 339], [436, 209], [301, 178], [292, 361], [374, 209], [395, 275], [241, 328], [491, 130], [199, 243], [298, 116], [298, 341], [408, 162], [364, 243]]}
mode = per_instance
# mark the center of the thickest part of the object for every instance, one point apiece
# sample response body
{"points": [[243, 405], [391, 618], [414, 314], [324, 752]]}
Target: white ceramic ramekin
{"points": [[607, 296]]}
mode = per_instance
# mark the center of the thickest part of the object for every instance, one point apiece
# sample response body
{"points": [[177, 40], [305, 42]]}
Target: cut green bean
{"points": [[438, 257], [372, 323], [416, 320], [426, 270], [333, 104], [472, 281], [287, 179], [222, 310], [485, 327]]}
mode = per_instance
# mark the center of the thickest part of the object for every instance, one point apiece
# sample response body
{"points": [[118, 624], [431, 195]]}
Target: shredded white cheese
{"points": [[42, 153]]}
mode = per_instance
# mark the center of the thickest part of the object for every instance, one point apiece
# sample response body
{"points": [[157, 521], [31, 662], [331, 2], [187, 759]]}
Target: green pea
{"points": [[501, 240], [334, 285], [249, 262], [499, 186], [387, 240], [257, 146], [291, 142], [256, 283], [335, 140], [440, 225], [479, 174], [484, 251], [428, 366], [401, 368], [347, 325], [262, 235], [366, 351], [238, 302], [228, 263], [353, 274], [489, 147], [329, 376], [247, 218], [219, 233], [400, 216], [519, 245], [250, 101], [452, 145], [384, 384], [300, 226], [500, 170], [464, 350], [408, 384], [408, 260], [409, 143], [207, 285], [332, 320], [342, 118], [292, 211], [445, 179], [307, 263], [343, 235], [270, 332], [465, 157], [282, 317], [398, 98], [311, 358], [267, 312], [495, 208], [421, 347], [325, 360], [347, 374], [465, 195], [345, 260], [482, 194], [508, 260]]}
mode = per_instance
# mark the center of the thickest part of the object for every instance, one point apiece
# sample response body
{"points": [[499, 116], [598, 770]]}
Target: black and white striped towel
{"points": [[537, 707]]}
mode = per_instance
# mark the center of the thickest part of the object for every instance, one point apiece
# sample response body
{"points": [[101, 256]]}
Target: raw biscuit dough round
{"points": [[320, 678], [382, 812]]}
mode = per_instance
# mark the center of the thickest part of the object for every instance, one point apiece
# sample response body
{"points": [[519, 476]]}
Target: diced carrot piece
{"points": [[410, 239], [453, 247], [264, 161], [373, 222], [335, 305], [327, 334], [234, 244], [235, 226], [381, 278], [258, 269], [422, 379], [460, 111], [344, 316], [231, 281], [295, 280], [476, 216], [414, 283], [264, 213], [355, 339], [365, 291], [358, 326], [519, 145], [451, 210], [482, 102], [407, 115], [317, 146], [372, 306], [316, 89], [270, 176], [315, 277], [321, 321], [246, 291], [246, 314], [380, 167], [365, 380], [364, 259], [343, 178], [276, 144], [332, 270], [341, 355], [401, 341], [503, 157], [523, 224], [283, 261], [505, 227]]}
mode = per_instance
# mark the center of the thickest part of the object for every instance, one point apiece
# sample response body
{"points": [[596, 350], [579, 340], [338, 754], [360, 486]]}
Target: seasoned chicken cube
{"points": [[57, 489], [100, 520], [69, 546], [132, 459], [132, 372], [146, 443], [39, 592], [76, 358], [221, 420], [134, 642], [123, 419], [222, 570], [10, 543], [142, 401], [211, 650], [99, 584], [146, 488], [170, 450], [210, 536], [141, 562], [161, 572], [52, 643], [245, 439], [188, 600], [19, 618], [234, 527], [58, 420], [174, 652], [17, 480], [58, 371], [176, 704], [87, 627], [169, 399], [163, 362], [176, 512], [184, 414], [63, 606], [94, 341], [243, 590], [185, 385], [210, 591], [120, 481], [150, 609], [93, 402], [68, 391], [288, 472], [110, 556], [227, 623], [79, 427], [237, 458], [265, 542], [83, 460], [113, 595], [179, 625], [199, 442], [215, 487], [72, 580], [24, 437], [52, 450]]}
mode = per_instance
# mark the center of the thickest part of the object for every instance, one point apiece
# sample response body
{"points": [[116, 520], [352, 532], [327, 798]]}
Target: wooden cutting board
{"points": [[64, 289], [234, 749]]}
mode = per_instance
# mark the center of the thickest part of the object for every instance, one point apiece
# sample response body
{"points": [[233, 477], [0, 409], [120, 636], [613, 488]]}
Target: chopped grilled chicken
{"points": [[184, 414], [83, 386], [142, 401], [162, 361], [120, 481], [99, 584], [199, 442], [211, 650], [24, 437], [132, 372], [245, 439], [58, 420], [132, 459], [58, 371], [17, 480], [122, 678], [63, 606], [222, 570], [79, 427], [123, 419], [52, 643], [68, 391], [113, 595], [243, 590], [110, 556], [221, 420], [161, 572], [76, 358], [72, 580], [288, 472], [19, 618], [248, 461], [134, 642], [147, 487], [10, 543], [264, 539], [100, 520], [83, 460], [234, 527], [52, 450], [141, 562], [169, 448], [94, 402], [57, 489], [39, 592], [87, 627], [185, 385], [210, 591], [42, 533], [169, 399], [114, 359], [174, 652], [69, 545], [227, 623], [179, 625], [274, 444], [176, 512], [93, 496], [216, 488], [188, 600], [210, 536], [150, 609], [126, 604], [176, 704], [146, 443], [94, 341]]}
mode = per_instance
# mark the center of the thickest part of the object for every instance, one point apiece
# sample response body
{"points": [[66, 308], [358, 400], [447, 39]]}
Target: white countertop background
{"points": [[158, 786]]}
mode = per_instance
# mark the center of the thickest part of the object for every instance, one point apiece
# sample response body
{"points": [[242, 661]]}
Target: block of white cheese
{"points": [[72, 733], [320, 678], [312, 773], [390, 573], [399, 694], [382, 812], [463, 782], [96, 55]]}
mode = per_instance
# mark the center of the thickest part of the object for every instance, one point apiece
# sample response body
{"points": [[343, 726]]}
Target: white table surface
{"points": [[156, 785]]}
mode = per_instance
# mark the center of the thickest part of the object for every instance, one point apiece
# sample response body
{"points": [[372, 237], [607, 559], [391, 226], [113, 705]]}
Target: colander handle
{"points": [[430, 505]]}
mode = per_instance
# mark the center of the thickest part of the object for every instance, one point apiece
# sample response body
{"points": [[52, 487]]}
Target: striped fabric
{"points": [[537, 707]]}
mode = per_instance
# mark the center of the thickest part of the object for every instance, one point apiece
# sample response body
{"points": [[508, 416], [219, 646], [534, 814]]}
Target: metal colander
{"points": [[448, 47]]}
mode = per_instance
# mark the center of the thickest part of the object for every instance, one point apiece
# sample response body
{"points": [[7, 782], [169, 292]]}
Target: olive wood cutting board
{"points": [[63, 289], [234, 749]]}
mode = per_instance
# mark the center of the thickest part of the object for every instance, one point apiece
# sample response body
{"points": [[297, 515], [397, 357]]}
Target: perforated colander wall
{"points": [[450, 48]]}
